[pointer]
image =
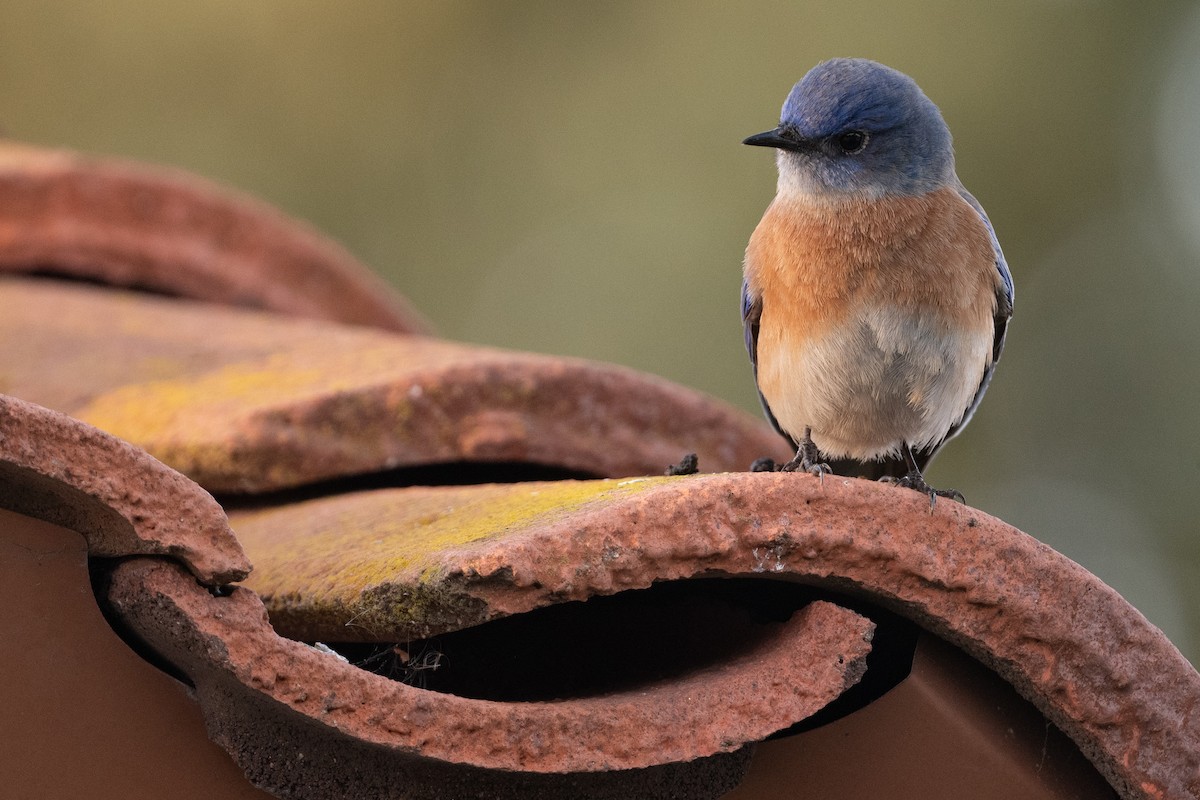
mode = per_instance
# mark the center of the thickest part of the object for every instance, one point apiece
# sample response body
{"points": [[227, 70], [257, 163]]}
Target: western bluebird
{"points": [[876, 297]]}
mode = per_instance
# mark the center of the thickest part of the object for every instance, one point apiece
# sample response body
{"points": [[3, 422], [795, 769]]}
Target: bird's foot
{"points": [[808, 459], [807, 462], [801, 464], [764, 464], [916, 482], [820, 469]]}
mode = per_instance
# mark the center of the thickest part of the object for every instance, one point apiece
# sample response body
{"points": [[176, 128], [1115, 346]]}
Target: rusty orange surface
{"points": [[245, 401], [84, 715], [60, 470], [1066, 641], [951, 730], [811, 660], [129, 224], [330, 569]]}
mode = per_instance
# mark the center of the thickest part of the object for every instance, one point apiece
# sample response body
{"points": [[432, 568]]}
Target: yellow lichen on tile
{"points": [[147, 412], [197, 422], [369, 559]]}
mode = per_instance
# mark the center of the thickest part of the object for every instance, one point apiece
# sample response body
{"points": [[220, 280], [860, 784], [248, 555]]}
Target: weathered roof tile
{"points": [[249, 402], [1066, 641], [128, 224], [58, 469], [85, 715], [246, 675]]}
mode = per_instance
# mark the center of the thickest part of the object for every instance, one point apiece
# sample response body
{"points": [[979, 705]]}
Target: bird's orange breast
{"points": [[877, 318], [815, 263]]}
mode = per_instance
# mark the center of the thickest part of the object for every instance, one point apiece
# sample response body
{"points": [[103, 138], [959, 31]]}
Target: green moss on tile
{"points": [[370, 560]]}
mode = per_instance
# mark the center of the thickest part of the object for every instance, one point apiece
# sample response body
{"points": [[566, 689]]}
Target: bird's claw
{"points": [[807, 459], [916, 482], [806, 464]]}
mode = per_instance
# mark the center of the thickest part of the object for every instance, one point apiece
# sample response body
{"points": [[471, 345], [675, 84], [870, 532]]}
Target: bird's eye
{"points": [[852, 142]]}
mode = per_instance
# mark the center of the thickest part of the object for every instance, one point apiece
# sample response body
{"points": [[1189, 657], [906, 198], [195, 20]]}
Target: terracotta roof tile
{"points": [[85, 715], [127, 224], [249, 402], [1042, 622], [243, 672], [951, 729], [55, 468]]}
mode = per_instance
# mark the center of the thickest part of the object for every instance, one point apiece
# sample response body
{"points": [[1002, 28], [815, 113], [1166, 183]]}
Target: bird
{"points": [[875, 296]]}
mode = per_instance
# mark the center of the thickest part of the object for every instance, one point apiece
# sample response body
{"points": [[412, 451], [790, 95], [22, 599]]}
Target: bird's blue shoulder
{"points": [[1001, 264]]}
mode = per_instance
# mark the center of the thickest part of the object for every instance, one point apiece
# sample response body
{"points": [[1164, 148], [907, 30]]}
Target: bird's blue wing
{"points": [[1004, 310], [1004, 297], [751, 313]]}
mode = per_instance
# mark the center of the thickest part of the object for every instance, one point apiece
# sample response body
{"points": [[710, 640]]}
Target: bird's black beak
{"points": [[781, 138]]}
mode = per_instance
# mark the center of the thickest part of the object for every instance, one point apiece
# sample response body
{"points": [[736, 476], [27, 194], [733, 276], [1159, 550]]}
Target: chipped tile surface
{"points": [[325, 562], [55, 468], [226, 645], [128, 224], [1066, 641], [242, 401]]}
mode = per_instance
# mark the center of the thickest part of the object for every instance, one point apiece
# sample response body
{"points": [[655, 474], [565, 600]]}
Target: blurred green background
{"points": [[568, 178]]}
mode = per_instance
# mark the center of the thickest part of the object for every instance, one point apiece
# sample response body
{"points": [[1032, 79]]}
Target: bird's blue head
{"points": [[853, 127]]}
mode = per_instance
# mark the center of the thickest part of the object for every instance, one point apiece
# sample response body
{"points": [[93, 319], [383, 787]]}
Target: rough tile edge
{"points": [[129, 224], [295, 758], [1070, 644], [480, 405], [247, 402], [368, 566], [1065, 640], [118, 497], [227, 642]]}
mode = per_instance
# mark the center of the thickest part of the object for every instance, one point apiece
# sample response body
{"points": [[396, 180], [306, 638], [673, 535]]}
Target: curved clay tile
{"points": [[124, 502], [249, 402], [127, 224], [256, 687], [1066, 641]]}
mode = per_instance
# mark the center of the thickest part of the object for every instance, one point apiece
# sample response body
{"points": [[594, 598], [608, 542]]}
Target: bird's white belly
{"points": [[878, 380]]}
